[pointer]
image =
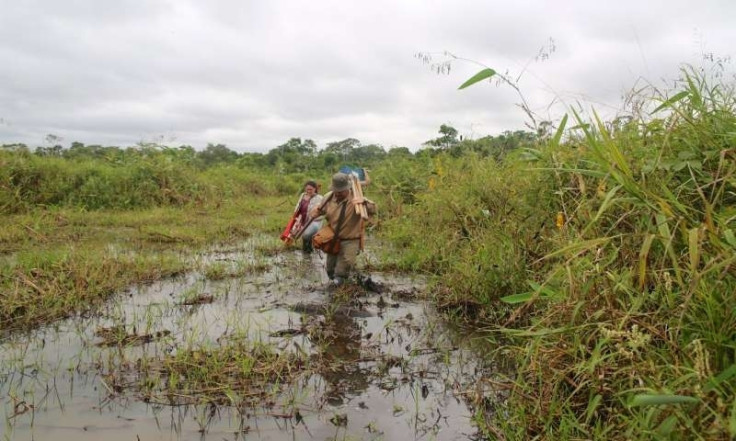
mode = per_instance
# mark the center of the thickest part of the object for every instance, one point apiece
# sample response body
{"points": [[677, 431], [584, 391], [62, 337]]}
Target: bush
{"points": [[29, 181]]}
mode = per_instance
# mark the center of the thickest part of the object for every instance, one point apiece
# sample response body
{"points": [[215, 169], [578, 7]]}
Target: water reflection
{"points": [[383, 368], [340, 350]]}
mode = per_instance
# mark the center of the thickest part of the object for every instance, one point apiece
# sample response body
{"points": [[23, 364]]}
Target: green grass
{"points": [[608, 260], [55, 262]]}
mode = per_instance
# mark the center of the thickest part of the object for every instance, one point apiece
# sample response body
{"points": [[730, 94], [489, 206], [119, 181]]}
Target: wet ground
{"points": [[373, 364]]}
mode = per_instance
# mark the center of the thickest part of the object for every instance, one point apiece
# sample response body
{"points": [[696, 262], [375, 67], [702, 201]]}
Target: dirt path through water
{"points": [[364, 364]]}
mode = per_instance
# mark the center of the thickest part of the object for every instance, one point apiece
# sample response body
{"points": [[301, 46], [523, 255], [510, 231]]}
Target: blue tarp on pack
{"points": [[359, 172]]}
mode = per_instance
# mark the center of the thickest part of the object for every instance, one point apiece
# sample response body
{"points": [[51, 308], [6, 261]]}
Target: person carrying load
{"points": [[345, 210]]}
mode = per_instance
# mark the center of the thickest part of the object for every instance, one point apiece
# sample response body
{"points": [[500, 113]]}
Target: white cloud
{"points": [[251, 75]]}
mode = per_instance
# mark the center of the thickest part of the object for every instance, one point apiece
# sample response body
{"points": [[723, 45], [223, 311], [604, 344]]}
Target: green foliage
{"points": [[498, 146], [350, 150], [216, 154], [484, 74], [448, 139], [399, 180], [625, 233], [57, 261], [649, 203], [475, 224], [125, 180], [41, 286], [148, 175]]}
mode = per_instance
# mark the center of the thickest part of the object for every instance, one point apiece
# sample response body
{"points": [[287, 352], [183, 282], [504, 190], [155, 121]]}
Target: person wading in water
{"points": [[340, 212]]}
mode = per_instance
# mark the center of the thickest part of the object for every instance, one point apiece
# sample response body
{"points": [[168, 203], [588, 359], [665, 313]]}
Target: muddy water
{"points": [[394, 371]]}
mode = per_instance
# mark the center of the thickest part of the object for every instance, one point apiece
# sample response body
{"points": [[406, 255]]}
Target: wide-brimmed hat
{"points": [[340, 182]]}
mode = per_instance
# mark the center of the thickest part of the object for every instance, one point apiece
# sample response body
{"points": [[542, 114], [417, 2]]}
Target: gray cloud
{"points": [[253, 74]]}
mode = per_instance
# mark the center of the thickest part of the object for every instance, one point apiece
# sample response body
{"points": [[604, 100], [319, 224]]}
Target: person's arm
{"points": [[316, 212], [315, 202], [319, 210]]}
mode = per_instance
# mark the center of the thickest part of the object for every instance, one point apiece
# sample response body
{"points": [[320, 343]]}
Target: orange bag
{"points": [[326, 240]]}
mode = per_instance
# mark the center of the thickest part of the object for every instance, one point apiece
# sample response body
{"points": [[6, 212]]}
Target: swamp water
{"points": [[272, 354]]}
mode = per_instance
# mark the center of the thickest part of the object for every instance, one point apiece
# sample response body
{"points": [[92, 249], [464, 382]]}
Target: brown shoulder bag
{"points": [[326, 238]]}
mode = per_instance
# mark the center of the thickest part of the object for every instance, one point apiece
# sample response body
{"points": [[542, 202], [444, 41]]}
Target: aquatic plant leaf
{"points": [[654, 400], [480, 76]]}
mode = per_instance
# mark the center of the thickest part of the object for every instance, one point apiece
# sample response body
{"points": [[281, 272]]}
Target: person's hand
{"points": [[314, 213], [357, 200]]}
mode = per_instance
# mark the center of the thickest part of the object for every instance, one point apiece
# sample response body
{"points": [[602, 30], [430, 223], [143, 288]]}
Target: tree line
{"points": [[295, 155]]}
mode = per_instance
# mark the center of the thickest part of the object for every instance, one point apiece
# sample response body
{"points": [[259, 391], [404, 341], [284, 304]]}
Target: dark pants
{"points": [[342, 264]]}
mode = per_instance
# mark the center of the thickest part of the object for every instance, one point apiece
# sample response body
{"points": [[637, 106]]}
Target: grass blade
{"points": [[643, 255], [606, 202], [592, 406], [730, 238], [518, 298], [720, 378], [693, 249], [671, 101], [560, 130], [480, 76], [578, 247], [654, 400]]}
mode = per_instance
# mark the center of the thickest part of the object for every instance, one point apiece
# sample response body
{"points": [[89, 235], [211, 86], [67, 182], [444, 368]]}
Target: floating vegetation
{"points": [[236, 373]]}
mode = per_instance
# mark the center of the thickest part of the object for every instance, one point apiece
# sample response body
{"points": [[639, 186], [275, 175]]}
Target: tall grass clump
{"points": [[606, 258], [641, 339], [29, 181], [633, 316], [478, 224], [38, 288]]}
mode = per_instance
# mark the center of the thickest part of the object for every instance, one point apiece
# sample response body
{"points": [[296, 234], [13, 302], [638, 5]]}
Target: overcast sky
{"points": [[252, 74]]}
